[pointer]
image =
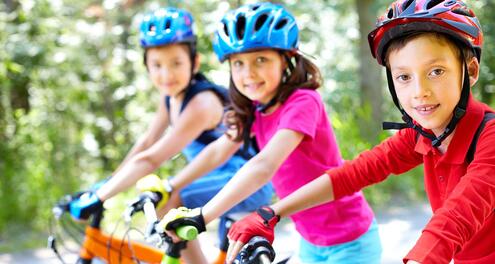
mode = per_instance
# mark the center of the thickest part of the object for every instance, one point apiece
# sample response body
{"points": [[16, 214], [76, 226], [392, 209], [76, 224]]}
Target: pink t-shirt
{"points": [[331, 223]]}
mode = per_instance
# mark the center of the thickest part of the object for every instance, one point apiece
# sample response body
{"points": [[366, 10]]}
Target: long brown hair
{"points": [[301, 74]]}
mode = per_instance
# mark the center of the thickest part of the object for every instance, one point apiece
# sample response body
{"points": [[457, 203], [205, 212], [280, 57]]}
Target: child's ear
{"points": [[474, 70], [197, 62]]}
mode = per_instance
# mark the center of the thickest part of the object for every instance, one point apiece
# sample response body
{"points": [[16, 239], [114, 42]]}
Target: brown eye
{"points": [[437, 72], [261, 59], [403, 77], [236, 63]]}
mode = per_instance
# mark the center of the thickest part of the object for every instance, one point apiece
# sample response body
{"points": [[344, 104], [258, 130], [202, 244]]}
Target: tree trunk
{"points": [[371, 94], [11, 5]]}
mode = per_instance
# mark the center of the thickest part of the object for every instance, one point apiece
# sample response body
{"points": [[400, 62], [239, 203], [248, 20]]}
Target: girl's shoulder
{"points": [[200, 85], [305, 96], [305, 93]]}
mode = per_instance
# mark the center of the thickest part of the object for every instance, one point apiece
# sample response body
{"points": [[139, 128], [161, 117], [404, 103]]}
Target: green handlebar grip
{"points": [[187, 232]]}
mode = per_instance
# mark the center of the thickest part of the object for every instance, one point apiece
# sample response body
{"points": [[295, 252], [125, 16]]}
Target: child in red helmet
{"points": [[431, 50]]}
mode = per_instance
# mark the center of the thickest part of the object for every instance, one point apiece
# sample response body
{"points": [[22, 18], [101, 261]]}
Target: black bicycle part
{"points": [[148, 196], [173, 249], [62, 206], [253, 251]]}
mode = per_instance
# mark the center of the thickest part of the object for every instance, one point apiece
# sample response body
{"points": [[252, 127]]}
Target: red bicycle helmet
{"points": [[403, 17]]}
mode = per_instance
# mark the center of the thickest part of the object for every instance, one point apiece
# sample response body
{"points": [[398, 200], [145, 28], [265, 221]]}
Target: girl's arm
{"points": [[203, 112], [316, 192], [254, 174], [395, 155], [212, 156], [155, 131]]}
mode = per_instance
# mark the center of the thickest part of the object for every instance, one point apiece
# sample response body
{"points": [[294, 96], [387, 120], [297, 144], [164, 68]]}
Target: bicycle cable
{"points": [[126, 234], [52, 240], [72, 230], [109, 242]]}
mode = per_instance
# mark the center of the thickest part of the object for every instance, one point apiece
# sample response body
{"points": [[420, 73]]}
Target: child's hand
{"points": [[153, 183], [181, 217], [85, 205], [260, 223]]}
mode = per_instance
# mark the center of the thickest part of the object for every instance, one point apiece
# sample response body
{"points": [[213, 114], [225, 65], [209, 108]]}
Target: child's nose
{"points": [[248, 71], [421, 88], [165, 73]]}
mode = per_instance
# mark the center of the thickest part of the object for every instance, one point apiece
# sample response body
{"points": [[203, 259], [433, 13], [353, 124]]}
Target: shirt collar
{"points": [[462, 136]]}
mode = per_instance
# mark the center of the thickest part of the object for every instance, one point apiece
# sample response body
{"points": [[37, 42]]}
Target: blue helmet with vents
{"points": [[253, 27], [166, 26]]}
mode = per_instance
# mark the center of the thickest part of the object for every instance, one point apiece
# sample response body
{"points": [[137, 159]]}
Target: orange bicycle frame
{"points": [[115, 250]]}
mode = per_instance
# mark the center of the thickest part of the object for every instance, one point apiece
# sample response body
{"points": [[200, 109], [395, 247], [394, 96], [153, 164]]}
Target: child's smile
{"points": [[426, 109], [253, 87]]}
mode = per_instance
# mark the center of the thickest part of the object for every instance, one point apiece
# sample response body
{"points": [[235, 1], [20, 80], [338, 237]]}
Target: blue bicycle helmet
{"points": [[166, 26], [256, 26]]}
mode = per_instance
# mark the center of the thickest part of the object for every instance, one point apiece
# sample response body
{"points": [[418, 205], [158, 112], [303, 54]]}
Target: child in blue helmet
{"points": [[274, 98], [191, 107]]}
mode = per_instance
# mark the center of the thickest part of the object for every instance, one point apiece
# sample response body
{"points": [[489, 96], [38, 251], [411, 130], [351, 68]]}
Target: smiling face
{"points": [[169, 67], [427, 74], [257, 75]]}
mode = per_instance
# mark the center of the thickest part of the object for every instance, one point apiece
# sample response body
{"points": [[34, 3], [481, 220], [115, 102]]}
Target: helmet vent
{"points": [[240, 27], [450, 2], [390, 13], [167, 25], [260, 21], [462, 11], [225, 30], [433, 3], [152, 28], [255, 7], [280, 24], [406, 4]]}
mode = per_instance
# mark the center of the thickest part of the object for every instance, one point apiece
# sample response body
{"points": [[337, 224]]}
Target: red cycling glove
{"points": [[259, 223]]}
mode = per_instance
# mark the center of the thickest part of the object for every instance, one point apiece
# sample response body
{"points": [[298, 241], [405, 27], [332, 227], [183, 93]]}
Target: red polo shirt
{"points": [[462, 197]]}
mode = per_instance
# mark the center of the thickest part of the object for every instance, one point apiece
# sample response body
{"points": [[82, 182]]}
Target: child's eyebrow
{"points": [[399, 68], [436, 60], [429, 62]]}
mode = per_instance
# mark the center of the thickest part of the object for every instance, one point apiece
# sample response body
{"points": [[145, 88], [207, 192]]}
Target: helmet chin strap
{"points": [[192, 81], [285, 75], [459, 111], [263, 107]]}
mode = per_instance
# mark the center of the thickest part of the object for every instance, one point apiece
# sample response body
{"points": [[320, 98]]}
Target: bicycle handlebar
{"points": [[137, 205], [264, 259], [257, 250], [146, 202], [62, 205]]}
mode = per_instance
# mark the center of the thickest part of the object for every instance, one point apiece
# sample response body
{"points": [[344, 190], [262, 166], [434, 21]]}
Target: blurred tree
{"points": [[485, 88], [370, 75]]}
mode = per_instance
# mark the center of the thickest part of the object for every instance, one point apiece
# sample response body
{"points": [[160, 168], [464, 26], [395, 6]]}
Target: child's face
{"points": [[169, 67], [427, 74], [257, 75]]}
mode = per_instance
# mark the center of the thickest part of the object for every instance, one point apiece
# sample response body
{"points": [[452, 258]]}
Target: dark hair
{"points": [[459, 46], [303, 75]]}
